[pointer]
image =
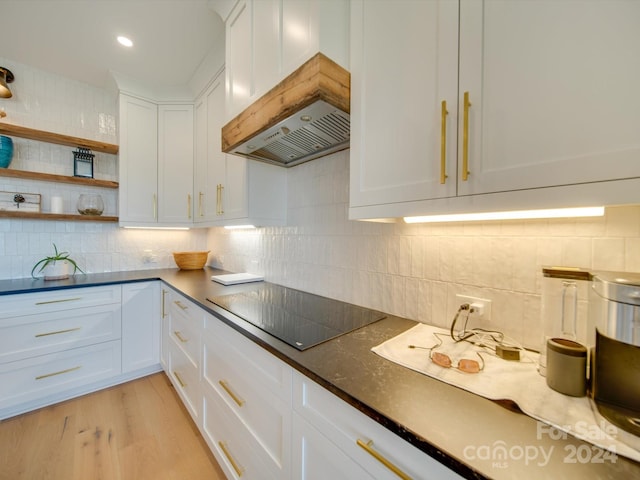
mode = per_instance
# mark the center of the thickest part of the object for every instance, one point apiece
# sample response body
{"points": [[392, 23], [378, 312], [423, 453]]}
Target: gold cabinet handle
{"points": [[218, 199], [239, 470], [221, 199], [38, 335], [227, 389], [155, 206], [182, 384], [47, 375], [59, 301], [180, 337], [200, 195], [465, 139], [368, 447], [443, 144], [178, 303], [189, 206], [164, 293]]}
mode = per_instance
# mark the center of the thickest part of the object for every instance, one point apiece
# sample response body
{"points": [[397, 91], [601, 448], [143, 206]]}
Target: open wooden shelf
{"points": [[49, 177], [57, 216], [57, 138]]}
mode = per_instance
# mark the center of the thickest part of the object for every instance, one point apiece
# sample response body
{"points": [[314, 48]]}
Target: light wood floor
{"points": [[135, 431]]}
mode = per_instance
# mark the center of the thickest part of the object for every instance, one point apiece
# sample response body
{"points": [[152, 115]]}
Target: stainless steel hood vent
{"points": [[315, 131], [305, 116]]}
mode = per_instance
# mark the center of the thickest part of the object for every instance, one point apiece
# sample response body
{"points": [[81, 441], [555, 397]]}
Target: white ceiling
{"points": [[77, 38]]}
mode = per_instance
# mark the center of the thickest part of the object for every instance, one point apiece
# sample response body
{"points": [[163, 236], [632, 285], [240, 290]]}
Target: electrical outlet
{"points": [[481, 306], [148, 257]]}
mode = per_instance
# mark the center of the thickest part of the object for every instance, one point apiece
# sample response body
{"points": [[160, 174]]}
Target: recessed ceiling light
{"points": [[125, 41]]}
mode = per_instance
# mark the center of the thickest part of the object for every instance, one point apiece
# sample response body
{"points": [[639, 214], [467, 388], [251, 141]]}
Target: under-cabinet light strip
{"points": [[510, 215]]}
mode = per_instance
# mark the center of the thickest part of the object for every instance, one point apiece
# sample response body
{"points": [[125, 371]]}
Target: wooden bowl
{"points": [[190, 260]]}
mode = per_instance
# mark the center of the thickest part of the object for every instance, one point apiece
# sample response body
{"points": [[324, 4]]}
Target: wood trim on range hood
{"points": [[318, 80]]}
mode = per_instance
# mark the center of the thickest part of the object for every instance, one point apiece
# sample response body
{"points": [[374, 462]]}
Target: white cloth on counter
{"points": [[501, 379]]}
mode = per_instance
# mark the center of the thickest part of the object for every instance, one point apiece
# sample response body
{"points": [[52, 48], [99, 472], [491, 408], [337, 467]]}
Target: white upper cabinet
{"points": [[231, 190], [210, 160], [399, 80], [156, 163], [175, 164], [266, 40], [138, 160], [552, 86], [550, 117]]}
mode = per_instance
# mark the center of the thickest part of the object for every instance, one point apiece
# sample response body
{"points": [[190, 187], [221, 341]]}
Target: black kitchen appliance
{"points": [[298, 318], [615, 369]]}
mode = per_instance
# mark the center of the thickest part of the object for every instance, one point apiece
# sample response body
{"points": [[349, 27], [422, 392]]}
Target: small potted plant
{"points": [[56, 267]]}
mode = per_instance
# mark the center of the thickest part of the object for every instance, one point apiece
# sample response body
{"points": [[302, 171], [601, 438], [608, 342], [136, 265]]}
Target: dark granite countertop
{"points": [[462, 430]]}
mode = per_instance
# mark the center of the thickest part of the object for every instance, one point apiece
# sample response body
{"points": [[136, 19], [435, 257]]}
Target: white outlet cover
{"points": [[483, 302]]}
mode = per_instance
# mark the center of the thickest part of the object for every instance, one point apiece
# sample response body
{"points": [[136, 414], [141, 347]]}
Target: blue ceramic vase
{"points": [[6, 151]]}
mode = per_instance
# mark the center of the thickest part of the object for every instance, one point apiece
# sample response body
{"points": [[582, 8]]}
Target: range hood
{"points": [[305, 116]]}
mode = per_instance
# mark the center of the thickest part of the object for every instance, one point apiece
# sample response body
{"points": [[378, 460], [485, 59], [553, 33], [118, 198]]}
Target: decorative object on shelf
{"points": [[19, 202], [2, 113], [56, 267], [6, 151], [190, 260], [83, 163], [57, 204], [90, 204], [5, 77]]}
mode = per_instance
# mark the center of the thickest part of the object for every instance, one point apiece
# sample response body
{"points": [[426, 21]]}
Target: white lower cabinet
{"points": [[251, 390], [184, 351], [59, 344], [140, 325], [263, 420], [315, 457], [368, 445], [36, 378]]}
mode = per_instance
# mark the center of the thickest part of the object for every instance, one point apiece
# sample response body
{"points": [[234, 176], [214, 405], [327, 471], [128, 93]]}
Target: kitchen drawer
{"points": [[32, 335], [266, 370], [185, 331], [184, 375], [186, 308], [315, 457], [37, 377], [263, 414], [361, 438], [233, 447], [54, 301]]}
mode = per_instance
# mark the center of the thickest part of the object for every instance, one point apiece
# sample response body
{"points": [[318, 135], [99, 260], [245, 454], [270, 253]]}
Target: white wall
{"points": [[414, 271], [53, 103]]}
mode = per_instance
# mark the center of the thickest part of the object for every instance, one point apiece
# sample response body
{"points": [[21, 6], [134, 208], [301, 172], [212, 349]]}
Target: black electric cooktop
{"points": [[298, 318]]}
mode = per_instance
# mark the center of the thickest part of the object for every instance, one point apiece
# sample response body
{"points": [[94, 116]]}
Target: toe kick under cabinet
{"points": [[59, 344]]}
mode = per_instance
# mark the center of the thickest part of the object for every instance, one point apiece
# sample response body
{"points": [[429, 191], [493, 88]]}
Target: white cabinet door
{"points": [[552, 87], [399, 80], [138, 158], [210, 165], [315, 457], [238, 58], [140, 325], [175, 164]]}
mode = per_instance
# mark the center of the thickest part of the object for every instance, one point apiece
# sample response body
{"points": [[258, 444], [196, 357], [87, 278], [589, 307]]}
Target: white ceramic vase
{"points": [[58, 270]]}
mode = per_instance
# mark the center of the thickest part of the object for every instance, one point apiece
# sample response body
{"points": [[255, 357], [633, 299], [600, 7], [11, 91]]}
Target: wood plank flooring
{"points": [[135, 431]]}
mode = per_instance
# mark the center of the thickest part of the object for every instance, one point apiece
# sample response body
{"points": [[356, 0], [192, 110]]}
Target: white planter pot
{"points": [[57, 270]]}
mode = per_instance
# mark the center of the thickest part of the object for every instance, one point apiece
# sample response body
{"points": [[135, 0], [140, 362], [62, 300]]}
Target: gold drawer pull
{"points": [[164, 294], [37, 335], [182, 384], [368, 447], [180, 337], [239, 470], [47, 375], [178, 303], [227, 389], [59, 301]]}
